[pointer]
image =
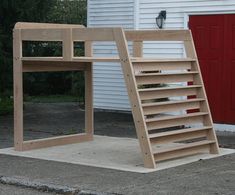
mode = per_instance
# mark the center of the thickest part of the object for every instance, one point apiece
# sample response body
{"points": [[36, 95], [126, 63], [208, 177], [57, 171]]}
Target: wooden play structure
{"points": [[188, 131]]}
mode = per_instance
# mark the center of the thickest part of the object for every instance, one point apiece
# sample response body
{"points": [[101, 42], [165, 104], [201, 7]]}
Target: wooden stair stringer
{"points": [[128, 72], [140, 71]]}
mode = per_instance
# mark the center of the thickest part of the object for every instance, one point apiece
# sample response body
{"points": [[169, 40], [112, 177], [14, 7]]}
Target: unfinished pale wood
{"points": [[161, 65], [183, 150], [179, 135], [97, 59], [76, 59], [93, 34], [30, 25], [156, 78], [38, 64], [175, 120], [18, 90], [138, 49], [48, 66], [172, 117], [135, 71], [164, 92], [89, 113], [56, 141], [171, 107], [67, 45], [157, 35], [137, 60], [140, 125], [42, 34]]}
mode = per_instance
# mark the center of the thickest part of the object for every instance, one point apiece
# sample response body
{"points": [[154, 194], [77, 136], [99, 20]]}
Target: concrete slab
{"points": [[107, 152]]}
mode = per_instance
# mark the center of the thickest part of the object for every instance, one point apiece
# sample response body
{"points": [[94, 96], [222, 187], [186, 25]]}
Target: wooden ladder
{"points": [[163, 135]]}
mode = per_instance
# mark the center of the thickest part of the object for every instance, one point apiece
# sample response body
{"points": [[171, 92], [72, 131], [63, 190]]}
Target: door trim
{"points": [[194, 13]]}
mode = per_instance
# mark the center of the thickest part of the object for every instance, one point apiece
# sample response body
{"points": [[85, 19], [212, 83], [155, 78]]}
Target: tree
{"points": [[54, 11], [12, 11]]}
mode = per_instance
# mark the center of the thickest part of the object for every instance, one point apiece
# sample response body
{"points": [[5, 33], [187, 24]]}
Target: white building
{"points": [[212, 22]]}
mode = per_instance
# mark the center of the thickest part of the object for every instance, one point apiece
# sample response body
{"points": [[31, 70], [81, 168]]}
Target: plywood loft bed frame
{"points": [[138, 72]]}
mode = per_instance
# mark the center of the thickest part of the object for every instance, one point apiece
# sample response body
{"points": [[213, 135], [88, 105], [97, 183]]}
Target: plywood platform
{"points": [[107, 152]]}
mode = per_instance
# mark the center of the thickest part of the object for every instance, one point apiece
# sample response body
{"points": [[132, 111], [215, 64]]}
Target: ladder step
{"points": [[156, 78], [171, 102], [165, 74], [179, 135], [166, 64], [139, 59], [163, 92], [168, 106], [182, 150], [176, 120]]}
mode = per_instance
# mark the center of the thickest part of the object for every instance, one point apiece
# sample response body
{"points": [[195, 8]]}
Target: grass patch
{"points": [[52, 99], [6, 105]]}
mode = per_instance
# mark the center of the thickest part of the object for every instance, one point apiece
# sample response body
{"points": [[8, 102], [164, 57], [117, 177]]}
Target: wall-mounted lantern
{"points": [[160, 19]]}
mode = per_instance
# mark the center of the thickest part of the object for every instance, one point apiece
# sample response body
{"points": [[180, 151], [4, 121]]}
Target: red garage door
{"points": [[214, 37]]}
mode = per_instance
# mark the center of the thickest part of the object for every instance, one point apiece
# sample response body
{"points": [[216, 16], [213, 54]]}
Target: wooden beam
{"points": [[93, 34], [30, 25], [53, 66], [42, 34], [56, 141], [157, 35]]}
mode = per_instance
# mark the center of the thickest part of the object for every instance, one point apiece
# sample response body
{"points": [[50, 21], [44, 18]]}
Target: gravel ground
{"points": [[207, 177], [53, 119], [14, 190]]}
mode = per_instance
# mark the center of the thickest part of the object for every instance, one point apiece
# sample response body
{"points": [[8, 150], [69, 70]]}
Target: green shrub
{"points": [[6, 106]]}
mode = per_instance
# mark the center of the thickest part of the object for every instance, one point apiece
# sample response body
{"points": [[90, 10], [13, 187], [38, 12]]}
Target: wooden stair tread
{"points": [[165, 74], [137, 60], [183, 146], [172, 102], [169, 88], [180, 131], [162, 118]]}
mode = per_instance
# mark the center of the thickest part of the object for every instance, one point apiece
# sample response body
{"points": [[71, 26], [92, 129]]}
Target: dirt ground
{"points": [[53, 119]]}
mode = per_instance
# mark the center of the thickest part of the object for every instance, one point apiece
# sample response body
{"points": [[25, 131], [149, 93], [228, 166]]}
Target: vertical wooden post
{"points": [[204, 106], [141, 128], [67, 44], [138, 49], [89, 114], [18, 90]]}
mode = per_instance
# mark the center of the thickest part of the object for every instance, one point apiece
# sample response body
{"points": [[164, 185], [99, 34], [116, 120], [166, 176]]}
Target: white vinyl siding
{"points": [[175, 19], [109, 87]]}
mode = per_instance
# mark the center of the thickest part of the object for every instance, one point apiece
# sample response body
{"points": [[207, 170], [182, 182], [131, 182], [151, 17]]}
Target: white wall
{"points": [[109, 86]]}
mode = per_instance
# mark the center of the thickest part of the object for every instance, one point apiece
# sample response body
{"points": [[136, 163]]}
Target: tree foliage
{"points": [[51, 11]]}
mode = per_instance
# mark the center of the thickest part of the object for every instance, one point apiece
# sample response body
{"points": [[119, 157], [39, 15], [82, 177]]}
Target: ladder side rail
{"points": [[137, 111]]}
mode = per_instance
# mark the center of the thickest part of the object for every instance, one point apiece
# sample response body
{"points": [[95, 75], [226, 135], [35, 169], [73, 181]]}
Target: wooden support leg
{"points": [[18, 91], [89, 116], [89, 113]]}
